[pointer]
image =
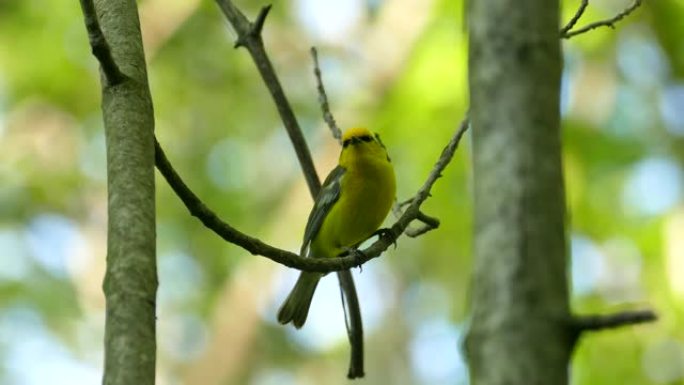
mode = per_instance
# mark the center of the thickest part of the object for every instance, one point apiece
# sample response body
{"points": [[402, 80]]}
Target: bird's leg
{"points": [[354, 251], [385, 232]]}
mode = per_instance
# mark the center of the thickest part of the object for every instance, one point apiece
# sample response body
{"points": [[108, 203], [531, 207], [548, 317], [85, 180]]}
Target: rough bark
{"points": [[519, 332], [130, 284]]}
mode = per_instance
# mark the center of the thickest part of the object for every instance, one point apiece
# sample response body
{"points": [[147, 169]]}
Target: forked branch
{"points": [[566, 33]]}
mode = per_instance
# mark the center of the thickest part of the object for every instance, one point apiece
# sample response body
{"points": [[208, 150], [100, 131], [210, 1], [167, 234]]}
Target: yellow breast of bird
{"points": [[366, 197]]}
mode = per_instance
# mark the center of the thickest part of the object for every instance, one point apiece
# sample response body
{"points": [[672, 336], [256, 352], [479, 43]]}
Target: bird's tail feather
{"points": [[296, 306]]}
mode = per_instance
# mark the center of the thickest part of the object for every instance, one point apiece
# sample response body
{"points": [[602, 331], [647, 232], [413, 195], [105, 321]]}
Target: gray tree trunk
{"points": [[130, 284], [519, 332]]}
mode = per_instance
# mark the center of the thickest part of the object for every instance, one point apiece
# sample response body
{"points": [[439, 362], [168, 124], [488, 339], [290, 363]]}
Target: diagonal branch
{"points": [[567, 34], [230, 234], [249, 36], [99, 46]]}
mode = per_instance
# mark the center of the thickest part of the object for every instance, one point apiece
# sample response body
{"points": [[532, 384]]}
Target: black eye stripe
{"points": [[357, 139]]}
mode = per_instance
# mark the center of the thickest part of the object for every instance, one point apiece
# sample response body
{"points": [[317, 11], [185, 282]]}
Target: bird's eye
{"points": [[366, 138], [346, 143]]}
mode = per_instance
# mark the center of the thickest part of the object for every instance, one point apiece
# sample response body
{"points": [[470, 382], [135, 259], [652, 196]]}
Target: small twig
{"points": [[323, 98], [611, 321], [429, 224], [413, 211], [567, 34], [575, 18], [406, 202], [254, 29], [99, 46]]}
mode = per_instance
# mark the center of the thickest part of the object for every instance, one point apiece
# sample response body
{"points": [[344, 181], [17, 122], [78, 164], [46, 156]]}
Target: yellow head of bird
{"points": [[358, 135], [362, 142]]}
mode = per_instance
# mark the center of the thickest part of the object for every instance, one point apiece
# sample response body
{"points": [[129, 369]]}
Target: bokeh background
{"points": [[397, 66]]}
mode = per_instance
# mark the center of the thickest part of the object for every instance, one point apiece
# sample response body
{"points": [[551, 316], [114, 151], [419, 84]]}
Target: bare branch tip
{"points": [[575, 18], [260, 20], [255, 27]]}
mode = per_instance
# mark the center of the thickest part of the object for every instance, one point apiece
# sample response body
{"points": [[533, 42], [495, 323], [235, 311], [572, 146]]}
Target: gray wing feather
{"points": [[329, 194]]}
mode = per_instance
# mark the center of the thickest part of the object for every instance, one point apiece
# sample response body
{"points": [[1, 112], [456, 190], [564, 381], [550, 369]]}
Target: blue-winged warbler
{"points": [[352, 204]]}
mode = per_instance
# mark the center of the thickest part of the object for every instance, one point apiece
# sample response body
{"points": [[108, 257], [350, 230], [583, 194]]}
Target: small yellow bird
{"points": [[355, 199]]}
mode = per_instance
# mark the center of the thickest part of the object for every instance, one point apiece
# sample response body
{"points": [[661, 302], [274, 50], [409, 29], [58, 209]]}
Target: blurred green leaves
{"points": [[221, 132]]}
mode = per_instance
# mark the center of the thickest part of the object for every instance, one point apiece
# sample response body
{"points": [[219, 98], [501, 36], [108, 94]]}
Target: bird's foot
{"points": [[386, 232], [356, 253]]}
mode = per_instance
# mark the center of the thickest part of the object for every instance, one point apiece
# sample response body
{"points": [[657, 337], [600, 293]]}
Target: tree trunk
{"points": [[130, 284], [519, 332]]}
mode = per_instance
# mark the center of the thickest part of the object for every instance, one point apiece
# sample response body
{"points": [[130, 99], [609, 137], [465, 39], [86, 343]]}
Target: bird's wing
{"points": [[330, 192]]}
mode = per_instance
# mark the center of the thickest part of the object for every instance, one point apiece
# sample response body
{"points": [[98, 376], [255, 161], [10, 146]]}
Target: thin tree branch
{"points": [[249, 36], [611, 321], [323, 99], [405, 203], [287, 258], [429, 224], [567, 34], [354, 324], [221, 228], [575, 18], [99, 46]]}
